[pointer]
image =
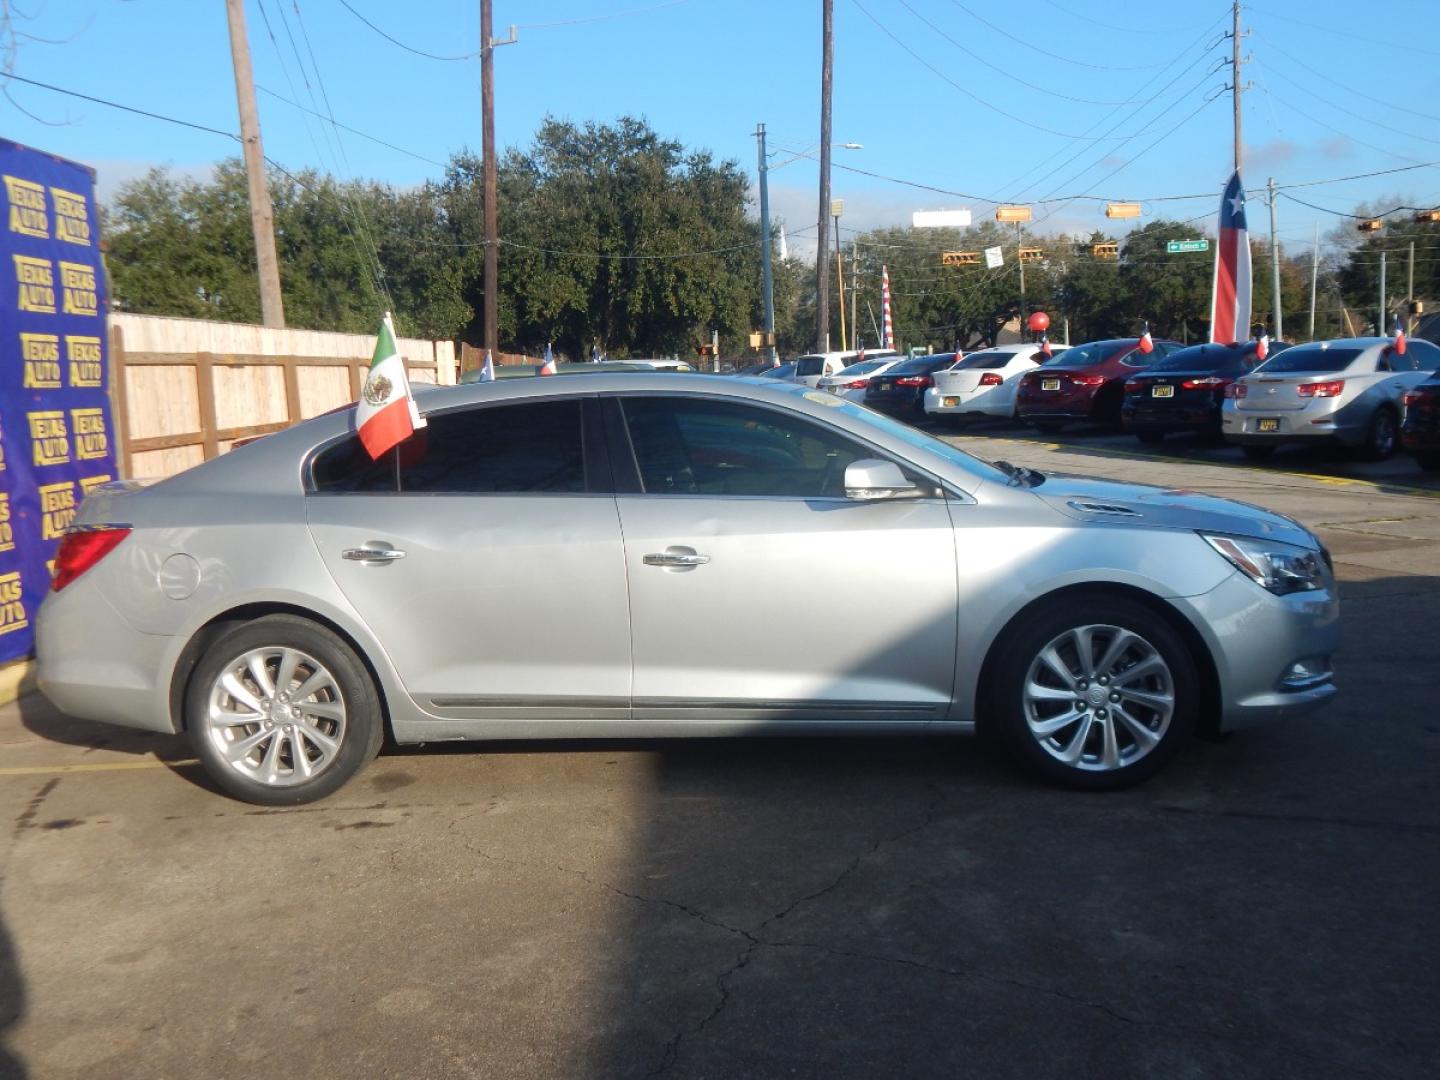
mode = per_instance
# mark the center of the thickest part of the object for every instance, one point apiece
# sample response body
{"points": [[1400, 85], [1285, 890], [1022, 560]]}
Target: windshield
{"points": [[922, 365], [863, 368], [1310, 357], [782, 372], [990, 358], [1209, 358], [1097, 352], [810, 365]]}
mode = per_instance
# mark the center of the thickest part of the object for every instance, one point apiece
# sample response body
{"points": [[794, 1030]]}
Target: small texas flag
{"points": [[959, 354], [386, 414], [1147, 344], [487, 373], [548, 367], [1399, 337], [1045, 346], [1262, 346]]}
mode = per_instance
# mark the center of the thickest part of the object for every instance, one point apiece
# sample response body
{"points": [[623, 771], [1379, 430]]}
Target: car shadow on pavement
{"points": [[12, 1002]]}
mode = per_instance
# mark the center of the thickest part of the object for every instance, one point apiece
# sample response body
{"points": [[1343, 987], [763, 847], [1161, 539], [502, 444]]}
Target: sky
{"points": [[985, 100]]}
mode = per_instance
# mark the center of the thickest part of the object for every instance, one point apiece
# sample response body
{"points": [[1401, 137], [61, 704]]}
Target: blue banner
{"points": [[56, 437]]}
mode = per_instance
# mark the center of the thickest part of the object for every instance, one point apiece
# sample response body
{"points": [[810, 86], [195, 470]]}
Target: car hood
{"points": [[1116, 502]]}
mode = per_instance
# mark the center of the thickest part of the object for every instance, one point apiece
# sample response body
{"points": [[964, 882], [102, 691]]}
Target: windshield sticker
{"points": [[834, 401]]}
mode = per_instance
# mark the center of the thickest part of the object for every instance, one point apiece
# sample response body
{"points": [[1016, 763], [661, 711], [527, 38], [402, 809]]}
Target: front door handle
{"points": [[372, 554], [680, 559]]}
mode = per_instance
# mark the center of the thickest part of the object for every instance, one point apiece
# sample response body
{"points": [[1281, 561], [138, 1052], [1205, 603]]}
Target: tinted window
{"points": [[863, 368], [1208, 358], [979, 361], [922, 365], [784, 371], [502, 449], [689, 447], [1310, 357], [810, 365], [1426, 356]]}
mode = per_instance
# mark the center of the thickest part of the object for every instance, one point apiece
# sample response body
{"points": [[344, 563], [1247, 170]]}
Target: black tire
{"points": [[349, 690], [1428, 460], [1260, 452], [1009, 713], [1382, 436], [1150, 438], [1047, 427]]}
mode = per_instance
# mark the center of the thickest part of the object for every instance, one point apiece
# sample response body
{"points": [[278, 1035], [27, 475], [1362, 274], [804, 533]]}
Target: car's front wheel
{"points": [[281, 711], [1093, 691]]}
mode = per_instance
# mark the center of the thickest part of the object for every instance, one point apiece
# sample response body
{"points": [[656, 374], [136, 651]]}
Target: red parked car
{"points": [[1420, 430], [1085, 382]]}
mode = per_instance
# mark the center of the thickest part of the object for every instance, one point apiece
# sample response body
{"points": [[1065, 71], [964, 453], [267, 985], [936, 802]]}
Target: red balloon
{"points": [[1039, 321]]}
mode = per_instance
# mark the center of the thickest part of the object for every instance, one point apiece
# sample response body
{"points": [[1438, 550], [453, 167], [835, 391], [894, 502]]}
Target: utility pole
{"points": [[839, 274], [1314, 278], [490, 310], [855, 290], [1235, 84], [1380, 320], [262, 214], [767, 280], [1019, 242], [822, 256], [1275, 306], [1410, 290]]}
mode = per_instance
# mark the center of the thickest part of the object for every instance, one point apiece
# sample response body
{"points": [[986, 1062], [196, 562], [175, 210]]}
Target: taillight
{"points": [[83, 548], [990, 378], [1200, 384], [1088, 380], [1236, 390], [1321, 389], [858, 384], [915, 380], [1411, 398], [1133, 386]]}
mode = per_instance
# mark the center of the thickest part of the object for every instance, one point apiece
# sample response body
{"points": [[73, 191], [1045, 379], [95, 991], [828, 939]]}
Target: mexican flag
{"points": [[386, 414]]}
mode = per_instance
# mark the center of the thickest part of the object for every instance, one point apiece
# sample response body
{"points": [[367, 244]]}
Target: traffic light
{"points": [[1110, 250], [1431, 216], [1031, 254], [959, 258], [1371, 225]]}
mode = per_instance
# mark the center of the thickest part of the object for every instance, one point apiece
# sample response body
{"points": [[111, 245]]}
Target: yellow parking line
{"points": [[109, 766]]}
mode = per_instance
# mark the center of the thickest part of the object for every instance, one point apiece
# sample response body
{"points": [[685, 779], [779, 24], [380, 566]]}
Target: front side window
{"points": [[524, 448], [686, 446], [1425, 355]]}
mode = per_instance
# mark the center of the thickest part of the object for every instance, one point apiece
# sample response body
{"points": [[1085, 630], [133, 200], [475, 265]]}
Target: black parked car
{"points": [[1420, 429], [901, 390], [1184, 391]]}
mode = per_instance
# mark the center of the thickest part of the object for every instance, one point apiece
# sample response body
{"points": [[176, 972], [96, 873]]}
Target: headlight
{"points": [[1280, 568]]}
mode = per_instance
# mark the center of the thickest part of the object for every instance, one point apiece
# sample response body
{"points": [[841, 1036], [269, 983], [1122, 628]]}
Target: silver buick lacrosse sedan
{"points": [[673, 555]]}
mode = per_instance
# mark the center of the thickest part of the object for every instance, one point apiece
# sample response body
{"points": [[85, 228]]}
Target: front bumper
{"points": [[1255, 637]]}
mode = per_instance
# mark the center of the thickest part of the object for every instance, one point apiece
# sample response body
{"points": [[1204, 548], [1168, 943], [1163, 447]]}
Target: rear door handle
{"points": [[372, 554], [675, 558]]}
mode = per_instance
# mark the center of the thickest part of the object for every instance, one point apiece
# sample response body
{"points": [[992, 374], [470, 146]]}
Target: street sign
{"points": [[994, 258], [1175, 247]]}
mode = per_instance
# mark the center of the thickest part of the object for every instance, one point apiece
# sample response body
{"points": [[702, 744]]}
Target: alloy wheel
{"points": [[276, 715], [1098, 698]]}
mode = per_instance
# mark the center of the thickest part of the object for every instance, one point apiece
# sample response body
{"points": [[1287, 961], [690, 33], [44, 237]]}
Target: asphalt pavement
{"points": [[763, 908]]}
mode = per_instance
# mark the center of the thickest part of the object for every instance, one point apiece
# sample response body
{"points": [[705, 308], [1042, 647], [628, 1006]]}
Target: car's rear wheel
{"points": [[281, 711], [1260, 452], [1093, 691], [1382, 436]]}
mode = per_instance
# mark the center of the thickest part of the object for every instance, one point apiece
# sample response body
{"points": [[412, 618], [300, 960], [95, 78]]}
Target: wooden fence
{"points": [[175, 409]]}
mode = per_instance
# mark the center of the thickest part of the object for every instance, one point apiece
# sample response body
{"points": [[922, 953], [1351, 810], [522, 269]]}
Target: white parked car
{"points": [[850, 382], [984, 383], [810, 369]]}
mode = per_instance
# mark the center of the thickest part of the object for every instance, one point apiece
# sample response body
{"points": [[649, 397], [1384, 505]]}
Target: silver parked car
{"points": [[1346, 391], [599, 555]]}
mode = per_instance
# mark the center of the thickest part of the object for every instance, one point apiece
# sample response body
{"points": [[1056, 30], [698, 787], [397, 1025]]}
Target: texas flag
{"points": [[1230, 294], [1147, 343], [385, 415], [1399, 337], [1045, 346], [887, 324], [548, 367], [1262, 346], [487, 373]]}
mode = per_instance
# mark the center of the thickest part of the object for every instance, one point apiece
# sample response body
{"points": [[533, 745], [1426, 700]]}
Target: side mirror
{"points": [[871, 478]]}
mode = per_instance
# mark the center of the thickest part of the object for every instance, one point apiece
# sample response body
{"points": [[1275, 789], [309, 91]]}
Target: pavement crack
{"points": [[32, 808]]}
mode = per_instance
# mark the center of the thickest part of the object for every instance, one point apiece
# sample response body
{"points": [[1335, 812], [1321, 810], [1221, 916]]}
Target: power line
{"points": [[1349, 112], [1333, 82], [1349, 35], [963, 89], [1054, 56], [353, 131], [123, 108], [601, 18], [396, 41]]}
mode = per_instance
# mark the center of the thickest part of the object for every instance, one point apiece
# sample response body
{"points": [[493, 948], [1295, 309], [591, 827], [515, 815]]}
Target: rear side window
{"points": [[1425, 355], [981, 361], [809, 365], [525, 448], [922, 365]]}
